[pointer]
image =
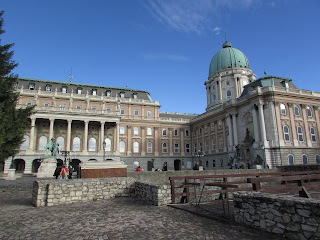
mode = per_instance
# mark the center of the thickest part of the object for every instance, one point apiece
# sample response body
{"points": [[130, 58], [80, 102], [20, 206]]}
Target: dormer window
{"points": [[64, 89], [94, 92], [79, 90], [108, 93], [135, 96], [121, 94], [32, 86], [48, 88]]}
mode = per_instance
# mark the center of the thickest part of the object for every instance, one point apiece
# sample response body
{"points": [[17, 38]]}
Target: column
{"points": [[129, 147], [69, 134], [182, 142], [230, 132], [156, 142], [316, 113], [224, 135], [117, 142], [217, 139], [101, 136], [293, 126], [255, 127], [170, 142], [237, 87], [85, 137], [279, 125], [51, 128], [32, 134], [143, 141], [209, 138], [306, 125], [208, 94], [220, 89], [235, 129], [262, 125]]}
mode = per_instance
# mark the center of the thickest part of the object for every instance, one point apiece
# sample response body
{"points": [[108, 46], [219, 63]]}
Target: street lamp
{"points": [[104, 150], [199, 155]]}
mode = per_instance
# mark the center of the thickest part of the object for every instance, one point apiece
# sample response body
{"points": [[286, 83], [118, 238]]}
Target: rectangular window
{"points": [[187, 133], [187, 148], [46, 104], [64, 90], [149, 131], [94, 109], [108, 110], [176, 132], [149, 113], [135, 96], [122, 111], [62, 107], [122, 95], [79, 91], [108, 93], [94, 92], [176, 148], [32, 86], [29, 104], [149, 147], [48, 88], [136, 112]]}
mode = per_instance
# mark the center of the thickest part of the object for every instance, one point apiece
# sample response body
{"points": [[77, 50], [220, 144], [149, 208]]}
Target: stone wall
{"points": [[292, 217], [156, 194], [55, 192]]}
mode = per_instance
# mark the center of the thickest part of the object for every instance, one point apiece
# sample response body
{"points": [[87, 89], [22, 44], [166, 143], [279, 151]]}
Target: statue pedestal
{"points": [[11, 174], [47, 168]]}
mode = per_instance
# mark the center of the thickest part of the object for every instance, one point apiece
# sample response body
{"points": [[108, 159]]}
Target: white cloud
{"points": [[196, 16], [171, 57], [217, 30]]}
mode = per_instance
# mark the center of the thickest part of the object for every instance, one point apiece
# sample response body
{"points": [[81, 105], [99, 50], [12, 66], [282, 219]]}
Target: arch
{"points": [[43, 140], [60, 141], [305, 159], [150, 165], [309, 111], [318, 159], [35, 165], [136, 147], [296, 110], [76, 143], [164, 147], [290, 159], [108, 144], [122, 130], [300, 134], [286, 133], [122, 146], [19, 165], [92, 145], [177, 165], [25, 144]]}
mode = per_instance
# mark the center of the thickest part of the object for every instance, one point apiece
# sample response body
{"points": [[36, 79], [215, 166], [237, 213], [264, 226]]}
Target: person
{"points": [[196, 167], [236, 165], [57, 172], [70, 171], [138, 169], [164, 167], [64, 172]]}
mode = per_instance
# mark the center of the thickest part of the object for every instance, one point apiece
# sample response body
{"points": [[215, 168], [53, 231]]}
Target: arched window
{"points": [[122, 130], [60, 141], [164, 147], [25, 144], [283, 109], [309, 111], [135, 147], [149, 147], [122, 146], [286, 133], [149, 131], [229, 94], [214, 97], [290, 159], [108, 144], [318, 159], [164, 132], [136, 131], [300, 134], [304, 159], [92, 145], [42, 143], [296, 110], [313, 134], [76, 144]]}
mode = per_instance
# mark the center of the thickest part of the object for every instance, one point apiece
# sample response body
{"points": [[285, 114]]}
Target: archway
{"points": [[150, 165], [75, 163], [177, 165], [19, 165], [35, 165], [59, 162]]}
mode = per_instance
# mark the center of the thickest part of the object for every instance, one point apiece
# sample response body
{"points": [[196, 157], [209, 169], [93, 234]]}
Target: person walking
{"points": [[70, 171], [64, 172]]}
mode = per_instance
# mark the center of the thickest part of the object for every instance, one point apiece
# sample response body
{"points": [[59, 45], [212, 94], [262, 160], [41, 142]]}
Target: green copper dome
{"points": [[228, 57]]}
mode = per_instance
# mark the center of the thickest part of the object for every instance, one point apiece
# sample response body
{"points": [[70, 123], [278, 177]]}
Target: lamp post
{"points": [[104, 150], [199, 155]]}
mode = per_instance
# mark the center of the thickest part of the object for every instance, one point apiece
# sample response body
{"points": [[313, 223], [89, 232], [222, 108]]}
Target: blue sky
{"points": [[161, 46]]}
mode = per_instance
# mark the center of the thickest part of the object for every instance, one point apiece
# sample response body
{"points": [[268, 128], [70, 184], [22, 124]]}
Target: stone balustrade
{"points": [[156, 194], [292, 217]]}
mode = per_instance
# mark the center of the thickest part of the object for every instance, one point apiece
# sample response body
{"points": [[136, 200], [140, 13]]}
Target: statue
{"points": [[52, 147]]}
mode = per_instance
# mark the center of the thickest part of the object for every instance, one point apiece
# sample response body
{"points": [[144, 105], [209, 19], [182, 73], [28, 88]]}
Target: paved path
{"points": [[120, 218]]}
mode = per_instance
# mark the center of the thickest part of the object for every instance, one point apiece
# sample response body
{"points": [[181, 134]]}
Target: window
{"points": [[122, 94], [164, 132], [136, 112], [79, 91], [76, 144], [94, 92], [108, 110], [64, 89], [187, 133], [108, 144], [48, 88], [221, 162], [32, 86], [309, 111], [149, 147], [60, 142], [214, 97], [229, 95], [42, 143], [122, 146], [290, 159], [136, 131], [135, 147], [304, 159], [25, 144], [149, 131], [296, 110], [78, 107], [149, 113], [200, 146], [122, 111], [176, 148], [195, 148], [313, 134], [213, 87], [300, 134], [135, 96], [283, 109], [164, 147], [62, 107], [318, 159], [92, 145], [108, 93], [213, 163], [122, 130], [286, 133], [187, 148], [47, 105], [227, 83], [94, 108], [176, 132], [206, 145]]}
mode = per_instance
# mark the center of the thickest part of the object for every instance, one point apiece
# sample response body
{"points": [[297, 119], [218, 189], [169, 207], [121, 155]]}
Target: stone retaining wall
{"points": [[55, 192], [156, 194], [292, 217]]}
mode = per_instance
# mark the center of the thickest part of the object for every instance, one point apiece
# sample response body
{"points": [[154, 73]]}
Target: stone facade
{"points": [[292, 217]]}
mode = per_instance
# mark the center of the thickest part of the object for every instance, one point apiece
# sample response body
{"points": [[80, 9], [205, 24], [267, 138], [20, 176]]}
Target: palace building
{"points": [[248, 121]]}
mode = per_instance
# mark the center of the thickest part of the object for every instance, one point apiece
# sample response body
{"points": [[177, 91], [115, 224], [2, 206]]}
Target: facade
{"points": [[248, 121]]}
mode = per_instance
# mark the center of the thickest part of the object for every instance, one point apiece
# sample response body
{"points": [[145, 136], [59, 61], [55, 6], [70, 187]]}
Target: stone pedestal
{"points": [[47, 168], [103, 169], [11, 174]]}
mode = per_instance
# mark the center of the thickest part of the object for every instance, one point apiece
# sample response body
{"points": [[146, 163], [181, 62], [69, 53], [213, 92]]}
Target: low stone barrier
{"points": [[156, 194], [292, 217], [55, 192]]}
